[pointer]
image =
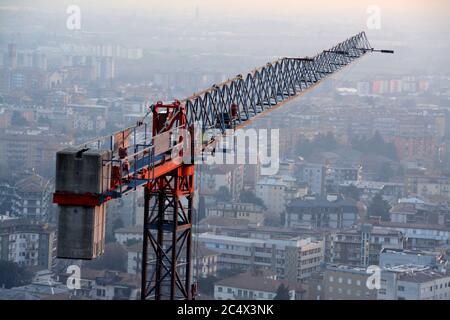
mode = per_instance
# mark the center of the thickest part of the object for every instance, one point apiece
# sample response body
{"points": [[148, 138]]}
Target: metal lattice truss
{"points": [[167, 238], [268, 86]]}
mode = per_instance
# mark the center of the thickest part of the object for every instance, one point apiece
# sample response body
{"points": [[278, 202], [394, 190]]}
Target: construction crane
{"points": [[153, 155]]}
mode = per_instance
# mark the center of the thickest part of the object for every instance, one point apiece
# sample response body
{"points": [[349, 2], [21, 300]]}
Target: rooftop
{"points": [[421, 276], [258, 283]]}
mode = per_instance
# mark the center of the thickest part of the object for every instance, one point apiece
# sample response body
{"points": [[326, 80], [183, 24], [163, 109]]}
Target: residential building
{"points": [[9, 201], [247, 286], [419, 235], [240, 210], [29, 149], [427, 186], [397, 257], [212, 178], [107, 285], [204, 261], [321, 212], [361, 245], [35, 195], [28, 243], [336, 175], [272, 191], [314, 175], [413, 283], [342, 282], [293, 259]]}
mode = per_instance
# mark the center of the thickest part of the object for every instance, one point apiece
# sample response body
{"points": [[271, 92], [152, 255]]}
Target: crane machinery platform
{"points": [[157, 154]]}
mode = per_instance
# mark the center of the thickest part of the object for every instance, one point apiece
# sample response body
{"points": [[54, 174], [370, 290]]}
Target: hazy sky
{"points": [[415, 28]]}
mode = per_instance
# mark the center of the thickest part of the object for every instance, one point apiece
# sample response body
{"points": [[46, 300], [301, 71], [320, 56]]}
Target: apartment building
{"points": [[397, 257], [212, 178], [204, 261], [413, 283], [28, 149], [28, 243], [321, 212], [341, 282], [314, 175], [239, 210], [252, 287], [107, 285], [361, 246], [420, 235], [35, 195], [272, 190], [293, 259]]}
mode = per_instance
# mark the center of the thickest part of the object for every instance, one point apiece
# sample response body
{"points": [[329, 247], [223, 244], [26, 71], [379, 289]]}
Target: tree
{"points": [[117, 224], [325, 142], [223, 194], [206, 285], [351, 191], [18, 120], [375, 146], [13, 275], [379, 208], [385, 172], [43, 121], [282, 293], [247, 196], [114, 258]]}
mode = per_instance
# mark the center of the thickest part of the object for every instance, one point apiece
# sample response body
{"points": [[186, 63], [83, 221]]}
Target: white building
{"points": [[413, 283], [420, 236], [276, 192], [108, 285], [248, 287]]}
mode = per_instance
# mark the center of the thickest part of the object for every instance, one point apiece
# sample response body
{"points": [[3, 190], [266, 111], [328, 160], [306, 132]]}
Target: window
{"points": [[401, 288], [229, 290], [358, 282], [331, 279], [349, 281], [219, 289], [340, 279]]}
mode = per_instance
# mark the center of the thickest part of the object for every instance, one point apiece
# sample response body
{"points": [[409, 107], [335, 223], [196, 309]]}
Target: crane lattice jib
{"points": [[270, 85]]}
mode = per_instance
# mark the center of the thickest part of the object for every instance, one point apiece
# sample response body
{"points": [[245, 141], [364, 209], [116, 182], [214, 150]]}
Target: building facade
{"points": [[361, 246], [28, 243], [293, 259]]}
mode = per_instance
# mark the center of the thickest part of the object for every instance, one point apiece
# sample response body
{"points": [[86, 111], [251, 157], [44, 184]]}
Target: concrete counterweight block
{"points": [[81, 229], [81, 232]]}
